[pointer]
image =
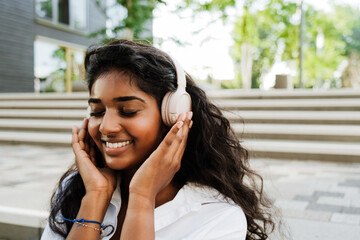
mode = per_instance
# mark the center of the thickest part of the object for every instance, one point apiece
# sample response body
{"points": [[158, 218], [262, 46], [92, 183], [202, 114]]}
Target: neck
{"points": [[165, 195]]}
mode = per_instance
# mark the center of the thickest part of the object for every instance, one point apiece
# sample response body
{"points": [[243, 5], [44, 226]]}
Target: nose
{"points": [[110, 123]]}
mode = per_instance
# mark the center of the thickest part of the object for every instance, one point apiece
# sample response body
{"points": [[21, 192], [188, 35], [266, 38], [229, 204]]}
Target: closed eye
{"points": [[97, 114], [127, 112]]}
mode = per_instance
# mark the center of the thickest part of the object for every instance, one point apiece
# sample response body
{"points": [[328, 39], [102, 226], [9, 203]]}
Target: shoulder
{"points": [[201, 213], [213, 205]]}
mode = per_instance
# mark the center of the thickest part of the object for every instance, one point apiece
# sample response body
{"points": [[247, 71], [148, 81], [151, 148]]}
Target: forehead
{"points": [[115, 83]]}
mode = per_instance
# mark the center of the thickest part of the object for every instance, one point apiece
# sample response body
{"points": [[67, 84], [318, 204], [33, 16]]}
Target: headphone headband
{"points": [[180, 73], [178, 101]]}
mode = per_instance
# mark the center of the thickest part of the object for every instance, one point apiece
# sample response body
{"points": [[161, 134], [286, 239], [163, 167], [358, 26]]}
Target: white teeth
{"points": [[117, 145]]}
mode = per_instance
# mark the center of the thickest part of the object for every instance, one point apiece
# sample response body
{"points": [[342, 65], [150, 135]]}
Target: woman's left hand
{"points": [[159, 169]]}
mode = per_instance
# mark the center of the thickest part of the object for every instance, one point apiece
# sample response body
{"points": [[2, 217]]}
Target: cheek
{"points": [[146, 129]]}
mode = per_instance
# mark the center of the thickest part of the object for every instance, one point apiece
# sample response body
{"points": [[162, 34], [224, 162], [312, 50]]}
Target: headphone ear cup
{"points": [[165, 109], [173, 104]]}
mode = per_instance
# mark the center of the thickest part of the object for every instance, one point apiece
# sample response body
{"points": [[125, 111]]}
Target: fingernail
{"points": [[183, 116], [189, 115], [191, 123], [180, 124], [73, 128]]}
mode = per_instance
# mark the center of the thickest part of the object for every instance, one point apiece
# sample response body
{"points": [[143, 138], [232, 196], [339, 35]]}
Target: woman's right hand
{"points": [[96, 180]]}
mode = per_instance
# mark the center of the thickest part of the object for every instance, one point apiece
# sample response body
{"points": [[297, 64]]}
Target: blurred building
{"points": [[42, 42]]}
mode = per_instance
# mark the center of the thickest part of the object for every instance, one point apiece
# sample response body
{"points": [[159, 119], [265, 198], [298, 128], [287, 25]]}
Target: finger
{"points": [[171, 135], [191, 124], [185, 132], [173, 141], [183, 126], [75, 144], [83, 129], [79, 152], [83, 133], [84, 164], [92, 151], [75, 137], [87, 143]]}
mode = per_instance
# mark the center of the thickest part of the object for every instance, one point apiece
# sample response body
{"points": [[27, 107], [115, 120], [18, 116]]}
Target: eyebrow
{"points": [[118, 99]]}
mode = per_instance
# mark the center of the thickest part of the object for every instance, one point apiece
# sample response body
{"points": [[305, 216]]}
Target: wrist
{"points": [[96, 204], [141, 201], [101, 194]]}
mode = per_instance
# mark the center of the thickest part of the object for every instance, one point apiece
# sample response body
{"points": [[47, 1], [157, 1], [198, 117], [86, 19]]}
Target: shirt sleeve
{"points": [[48, 234]]}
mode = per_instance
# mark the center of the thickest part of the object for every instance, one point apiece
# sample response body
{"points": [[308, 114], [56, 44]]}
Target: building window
{"points": [[58, 66], [63, 12], [71, 14]]}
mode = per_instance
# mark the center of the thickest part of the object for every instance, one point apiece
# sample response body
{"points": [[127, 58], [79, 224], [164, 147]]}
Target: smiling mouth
{"points": [[114, 145]]}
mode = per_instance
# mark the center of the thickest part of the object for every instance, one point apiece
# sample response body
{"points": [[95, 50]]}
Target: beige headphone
{"points": [[175, 103]]}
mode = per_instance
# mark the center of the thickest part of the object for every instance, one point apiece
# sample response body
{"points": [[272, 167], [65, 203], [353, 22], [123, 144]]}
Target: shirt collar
{"points": [[189, 199]]}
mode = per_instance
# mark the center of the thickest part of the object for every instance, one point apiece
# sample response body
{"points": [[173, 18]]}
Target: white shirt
{"points": [[196, 212]]}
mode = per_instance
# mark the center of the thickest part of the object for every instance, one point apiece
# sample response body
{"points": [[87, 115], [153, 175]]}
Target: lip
{"points": [[117, 150], [114, 140]]}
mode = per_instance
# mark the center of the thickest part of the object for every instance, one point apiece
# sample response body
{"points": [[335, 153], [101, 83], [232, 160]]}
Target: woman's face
{"points": [[125, 122]]}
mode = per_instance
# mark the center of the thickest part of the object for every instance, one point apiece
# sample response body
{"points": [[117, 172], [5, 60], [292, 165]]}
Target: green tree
{"points": [[330, 39], [324, 48], [263, 30], [351, 74], [139, 13]]}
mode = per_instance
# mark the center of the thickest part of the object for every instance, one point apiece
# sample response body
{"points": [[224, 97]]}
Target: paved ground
{"points": [[319, 200]]}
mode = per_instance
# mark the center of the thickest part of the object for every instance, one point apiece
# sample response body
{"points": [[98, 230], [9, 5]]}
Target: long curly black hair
{"points": [[213, 157]]}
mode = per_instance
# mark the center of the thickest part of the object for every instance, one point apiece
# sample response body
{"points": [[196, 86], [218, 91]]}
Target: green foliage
{"points": [[213, 5], [60, 54], [55, 81], [46, 8], [265, 29], [350, 27], [139, 13], [274, 27], [340, 39], [232, 84]]}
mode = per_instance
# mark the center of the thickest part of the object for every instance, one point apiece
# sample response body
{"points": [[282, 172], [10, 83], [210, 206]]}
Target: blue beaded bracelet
{"points": [[81, 221]]}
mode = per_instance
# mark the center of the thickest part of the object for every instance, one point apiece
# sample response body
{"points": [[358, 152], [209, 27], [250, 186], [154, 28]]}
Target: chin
{"points": [[120, 163]]}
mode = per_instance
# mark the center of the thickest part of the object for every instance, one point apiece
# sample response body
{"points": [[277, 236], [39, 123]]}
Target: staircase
{"points": [[298, 124]]}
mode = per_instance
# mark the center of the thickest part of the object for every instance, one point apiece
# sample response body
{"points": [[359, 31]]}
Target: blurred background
{"points": [[222, 44]]}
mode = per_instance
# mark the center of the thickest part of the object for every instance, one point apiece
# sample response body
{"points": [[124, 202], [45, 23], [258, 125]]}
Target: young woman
{"points": [[138, 178]]}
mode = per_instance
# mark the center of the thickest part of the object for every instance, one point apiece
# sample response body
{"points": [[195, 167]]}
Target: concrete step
{"points": [[37, 138], [294, 117], [291, 104], [214, 94], [309, 132], [38, 125], [70, 114], [304, 150], [283, 93], [44, 96], [247, 104], [48, 104], [278, 124], [329, 151]]}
